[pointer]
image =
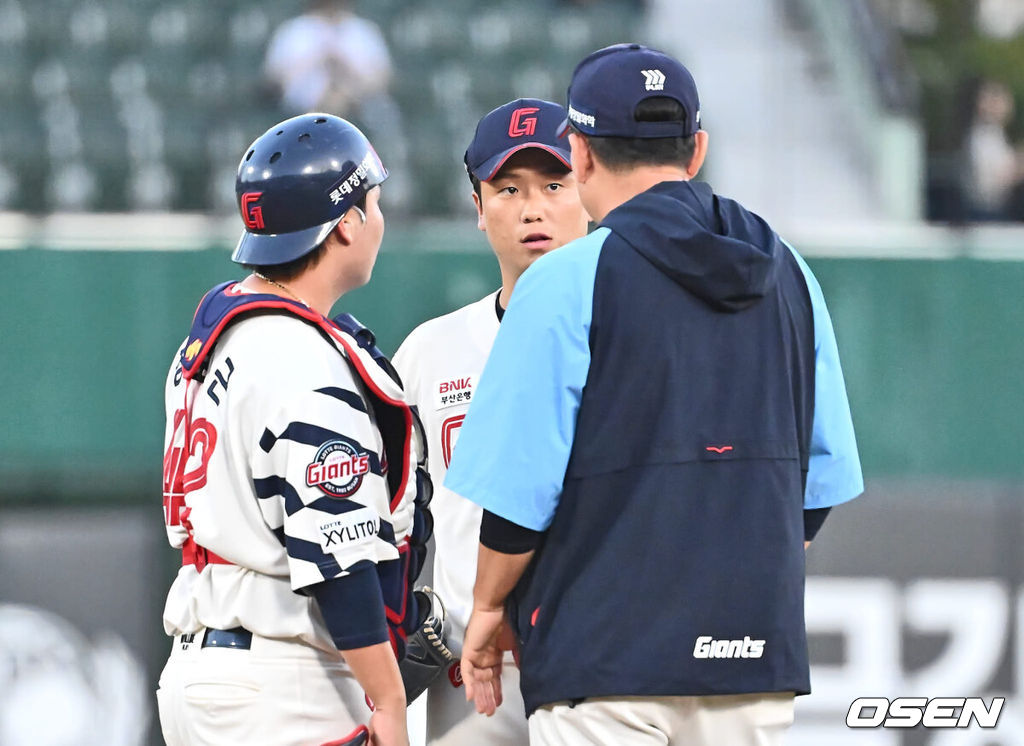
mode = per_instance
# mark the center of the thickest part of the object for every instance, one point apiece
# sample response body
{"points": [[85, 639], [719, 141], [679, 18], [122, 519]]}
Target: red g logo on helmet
{"points": [[522, 123], [252, 214]]}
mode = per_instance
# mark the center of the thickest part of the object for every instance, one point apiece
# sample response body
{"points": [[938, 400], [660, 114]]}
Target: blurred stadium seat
{"points": [[145, 104]]}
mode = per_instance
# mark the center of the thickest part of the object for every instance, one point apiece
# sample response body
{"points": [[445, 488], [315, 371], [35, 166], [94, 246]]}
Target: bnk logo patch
{"points": [[337, 469]]}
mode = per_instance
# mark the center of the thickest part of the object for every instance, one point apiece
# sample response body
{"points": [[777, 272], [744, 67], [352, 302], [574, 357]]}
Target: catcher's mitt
{"points": [[426, 653]]}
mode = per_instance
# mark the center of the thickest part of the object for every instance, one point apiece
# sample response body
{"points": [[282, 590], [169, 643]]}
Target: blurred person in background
{"points": [[996, 166], [331, 59], [328, 59], [99, 684]]}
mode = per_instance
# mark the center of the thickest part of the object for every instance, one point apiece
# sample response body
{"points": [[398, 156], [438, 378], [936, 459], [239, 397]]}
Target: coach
{"points": [[661, 427]]}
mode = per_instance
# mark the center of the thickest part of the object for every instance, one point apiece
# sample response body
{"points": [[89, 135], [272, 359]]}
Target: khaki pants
{"points": [[278, 692], [727, 720], [452, 721]]}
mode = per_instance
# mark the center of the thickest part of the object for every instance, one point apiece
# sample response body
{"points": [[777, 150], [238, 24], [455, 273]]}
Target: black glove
{"points": [[426, 652]]}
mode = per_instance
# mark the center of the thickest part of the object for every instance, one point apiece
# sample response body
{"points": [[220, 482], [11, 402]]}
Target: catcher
{"points": [[294, 484]]}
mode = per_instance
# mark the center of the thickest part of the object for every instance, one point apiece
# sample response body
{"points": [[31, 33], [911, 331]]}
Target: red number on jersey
{"points": [[201, 437], [449, 434]]}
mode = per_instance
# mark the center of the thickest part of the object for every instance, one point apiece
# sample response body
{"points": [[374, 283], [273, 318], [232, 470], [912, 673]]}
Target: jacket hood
{"points": [[712, 246]]}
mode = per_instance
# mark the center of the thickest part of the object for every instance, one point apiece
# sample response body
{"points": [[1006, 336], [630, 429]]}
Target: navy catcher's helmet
{"points": [[295, 183]]}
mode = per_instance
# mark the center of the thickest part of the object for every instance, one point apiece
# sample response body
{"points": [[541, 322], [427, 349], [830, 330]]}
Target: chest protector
{"points": [[399, 425]]}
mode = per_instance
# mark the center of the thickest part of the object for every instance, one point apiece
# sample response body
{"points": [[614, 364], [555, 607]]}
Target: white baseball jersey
{"points": [[440, 363], [284, 477]]}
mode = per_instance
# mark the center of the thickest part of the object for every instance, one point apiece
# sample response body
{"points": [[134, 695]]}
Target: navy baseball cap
{"points": [[523, 123], [608, 85]]}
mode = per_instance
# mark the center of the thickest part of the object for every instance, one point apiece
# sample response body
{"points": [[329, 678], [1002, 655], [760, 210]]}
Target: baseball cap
{"points": [[519, 124], [607, 85]]}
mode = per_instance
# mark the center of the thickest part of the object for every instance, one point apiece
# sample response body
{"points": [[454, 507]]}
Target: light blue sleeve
{"points": [[834, 474], [515, 442]]}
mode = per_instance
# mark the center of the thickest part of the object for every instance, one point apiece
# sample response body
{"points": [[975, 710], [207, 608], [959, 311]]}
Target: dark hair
{"points": [[294, 268], [290, 270], [622, 153]]}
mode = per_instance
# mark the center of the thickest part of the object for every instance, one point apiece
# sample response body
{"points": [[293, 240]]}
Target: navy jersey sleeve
{"points": [[516, 439], [834, 474]]}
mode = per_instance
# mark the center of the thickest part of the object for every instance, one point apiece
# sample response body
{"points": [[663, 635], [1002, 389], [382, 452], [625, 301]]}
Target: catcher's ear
{"points": [[344, 232]]}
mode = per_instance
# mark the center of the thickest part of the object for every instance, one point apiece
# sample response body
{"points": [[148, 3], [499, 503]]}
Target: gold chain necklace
{"points": [[283, 287]]}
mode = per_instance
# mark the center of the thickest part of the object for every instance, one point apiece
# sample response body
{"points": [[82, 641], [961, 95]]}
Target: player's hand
{"points": [[487, 637], [388, 727]]}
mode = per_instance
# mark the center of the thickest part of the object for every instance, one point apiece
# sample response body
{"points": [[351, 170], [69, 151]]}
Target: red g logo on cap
{"points": [[252, 214], [522, 123]]}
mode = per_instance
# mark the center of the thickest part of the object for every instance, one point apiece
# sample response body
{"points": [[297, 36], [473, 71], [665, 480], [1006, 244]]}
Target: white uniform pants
{"points": [[279, 692], [452, 721], [728, 720]]}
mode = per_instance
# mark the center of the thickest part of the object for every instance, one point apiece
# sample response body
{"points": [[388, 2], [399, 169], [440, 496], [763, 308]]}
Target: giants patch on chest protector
{"points": [[337, 469], [450, 392]]}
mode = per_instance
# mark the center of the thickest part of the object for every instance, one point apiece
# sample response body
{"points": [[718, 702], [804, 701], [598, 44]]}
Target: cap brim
{"points": [[491, 166], [280, 248], [563, 128]]}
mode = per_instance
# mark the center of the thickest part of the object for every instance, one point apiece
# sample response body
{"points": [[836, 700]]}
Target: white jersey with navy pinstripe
{"points": [[286, 480], [440, 363]]}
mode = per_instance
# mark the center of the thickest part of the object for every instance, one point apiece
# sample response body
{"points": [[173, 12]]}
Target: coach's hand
{"points": [[488, 636]]}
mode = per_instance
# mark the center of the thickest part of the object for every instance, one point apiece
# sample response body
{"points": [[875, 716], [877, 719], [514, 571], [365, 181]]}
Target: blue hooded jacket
{"points": [[652, 404]]}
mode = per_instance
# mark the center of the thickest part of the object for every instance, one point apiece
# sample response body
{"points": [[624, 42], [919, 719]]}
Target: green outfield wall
{"points": [[932, 350]]}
